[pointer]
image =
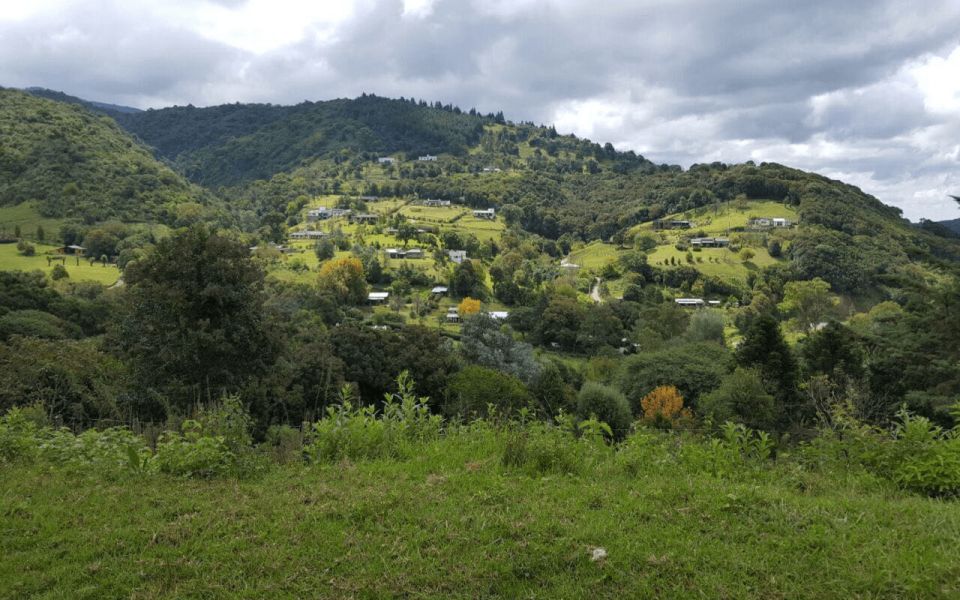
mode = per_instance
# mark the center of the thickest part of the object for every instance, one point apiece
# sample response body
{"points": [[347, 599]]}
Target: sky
{"points": [[866, 91]]}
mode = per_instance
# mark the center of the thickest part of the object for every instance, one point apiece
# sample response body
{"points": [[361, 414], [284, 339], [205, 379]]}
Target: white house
{"points": [[689, 302], [499, 315], [710, 242], [439, 290], [377, 297], [433, 202], [453, 315], [307, 234], [457, 256], [781, 222], [427, 158], [488, 213], [322, 213], [386, 160]]}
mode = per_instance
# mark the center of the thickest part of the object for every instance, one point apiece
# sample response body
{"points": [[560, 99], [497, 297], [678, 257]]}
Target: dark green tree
{"points": [[193, 323], [764, 348]]}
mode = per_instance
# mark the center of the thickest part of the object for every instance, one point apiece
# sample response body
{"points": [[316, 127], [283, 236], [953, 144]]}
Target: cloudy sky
{"points": [[867, 91]]}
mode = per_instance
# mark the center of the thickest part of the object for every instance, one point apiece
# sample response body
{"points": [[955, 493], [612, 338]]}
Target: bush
{"points": [[26, 248], [538, 449], [20, 432], [607, 405], [359, 433], [705, 326], [59, 272], [741, 398], [663, 407], [474, 390], [193, 453], [694, 368]]}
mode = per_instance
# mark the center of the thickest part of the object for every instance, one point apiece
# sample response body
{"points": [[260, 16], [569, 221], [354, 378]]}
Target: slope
{"points": [[230, 144], [71, 162]]}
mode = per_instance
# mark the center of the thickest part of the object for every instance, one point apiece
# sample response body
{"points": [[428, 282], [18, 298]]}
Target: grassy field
{"points": [[719, 220], [453, 521], [594, 255], [443, 214], [28, 219], [11, 260], [718, 262]]}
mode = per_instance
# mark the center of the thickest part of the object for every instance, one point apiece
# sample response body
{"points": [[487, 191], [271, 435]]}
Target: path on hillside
{"points": [[595, 291]]}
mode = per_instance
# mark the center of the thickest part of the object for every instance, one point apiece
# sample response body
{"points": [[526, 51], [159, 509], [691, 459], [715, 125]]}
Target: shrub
{"points": [[694, 368], [474, 390], [539, 448], [705, 326], [19, 432], [741, 398], [193, 453], [607, 404], [359, 433], [59, 272], [26, 248], [663, 407], [284, 443], [110, 451]]}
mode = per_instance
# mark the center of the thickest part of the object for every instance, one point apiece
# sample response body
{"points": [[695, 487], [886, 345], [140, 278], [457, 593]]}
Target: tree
{"points": [[694, 369], [193, 322], [607, 404], [833, 351], [467, 279], [474, 389], [741, 398], [764, 348], [747, 254], [41, 234], [485, 342], [663, 407], [344, 279], [560, 321], [706, 326], [324, 249], [809, 302], [600, 327], [468, 306]]}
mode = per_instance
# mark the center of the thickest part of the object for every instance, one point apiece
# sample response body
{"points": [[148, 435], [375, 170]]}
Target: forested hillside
{"points": [[235, 143], [71, 162]]}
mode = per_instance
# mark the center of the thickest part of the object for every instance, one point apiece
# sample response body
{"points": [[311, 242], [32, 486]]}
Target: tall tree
{"points": [[193, 323], [764, 348]]}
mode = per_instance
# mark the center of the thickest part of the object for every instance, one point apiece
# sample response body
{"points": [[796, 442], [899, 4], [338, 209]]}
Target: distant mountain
{"points": [[72, 162], [99, 106], [953, 225]]}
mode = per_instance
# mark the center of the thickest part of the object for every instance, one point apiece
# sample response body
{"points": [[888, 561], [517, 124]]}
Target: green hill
{"points": [[234, 143], [71, 162]]}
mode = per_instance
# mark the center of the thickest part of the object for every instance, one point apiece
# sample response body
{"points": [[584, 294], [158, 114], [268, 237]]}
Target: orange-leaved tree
{"points": [[664, 406], [468, 306]]}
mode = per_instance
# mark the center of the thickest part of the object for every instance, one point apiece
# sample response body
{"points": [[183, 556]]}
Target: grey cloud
{"points": [[694, 80]]}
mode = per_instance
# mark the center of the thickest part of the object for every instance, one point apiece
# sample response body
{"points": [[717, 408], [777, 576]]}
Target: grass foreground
{"points": [[455, 519]]}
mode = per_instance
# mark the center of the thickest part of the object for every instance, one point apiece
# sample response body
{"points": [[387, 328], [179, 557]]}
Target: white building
{"points": [[322, 213], [427, 158], [377, 297], [457, 256], [386, 160], [690, 302], [488, 213]]}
